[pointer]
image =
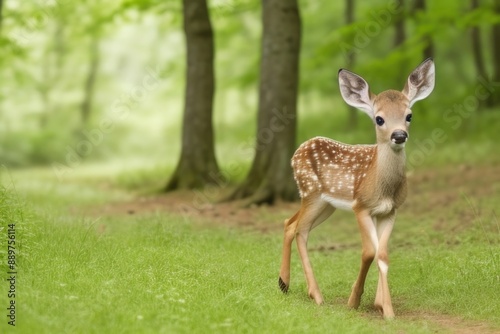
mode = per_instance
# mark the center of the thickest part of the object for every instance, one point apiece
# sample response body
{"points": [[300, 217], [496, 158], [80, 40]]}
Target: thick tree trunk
{"points": [[270, 177], [197, 166], [351, 59]]}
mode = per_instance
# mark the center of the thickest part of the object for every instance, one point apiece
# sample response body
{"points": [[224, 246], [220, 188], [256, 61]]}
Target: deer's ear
{"points": [[356, 92], [420, 82]]}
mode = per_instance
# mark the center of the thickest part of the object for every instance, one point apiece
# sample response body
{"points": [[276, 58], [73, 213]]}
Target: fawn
{"points": [[370, 180]]}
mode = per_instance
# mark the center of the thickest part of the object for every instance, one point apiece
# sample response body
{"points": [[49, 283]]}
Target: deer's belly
{"points": [[338, 203]]}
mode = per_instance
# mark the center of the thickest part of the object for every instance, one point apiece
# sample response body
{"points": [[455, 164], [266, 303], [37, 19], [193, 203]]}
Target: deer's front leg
{"points": [[369, 242], [383, 296]]}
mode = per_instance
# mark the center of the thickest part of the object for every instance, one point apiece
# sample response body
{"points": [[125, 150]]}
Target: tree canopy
{"points": [[85, 82]]}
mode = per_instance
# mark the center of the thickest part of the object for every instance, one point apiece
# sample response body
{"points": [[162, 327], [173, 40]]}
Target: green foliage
{"points": [[23, 149], [145, 179], [46, 58]]}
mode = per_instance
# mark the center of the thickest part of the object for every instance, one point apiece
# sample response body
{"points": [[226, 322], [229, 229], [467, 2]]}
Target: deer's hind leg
{"points": [[312, 214], [308, 217], [289, 235]]}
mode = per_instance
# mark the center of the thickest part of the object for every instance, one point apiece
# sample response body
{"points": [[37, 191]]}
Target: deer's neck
{"points": [[390, 165], [385, 189]]}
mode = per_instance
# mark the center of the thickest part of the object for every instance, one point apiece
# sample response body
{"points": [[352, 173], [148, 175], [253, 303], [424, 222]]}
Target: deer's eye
{"points": [[408, 118], [379, 120]]}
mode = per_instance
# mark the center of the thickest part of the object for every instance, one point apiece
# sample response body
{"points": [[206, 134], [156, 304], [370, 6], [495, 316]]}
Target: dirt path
{"points": [[452, 324], [200, 207], [435, 190]]}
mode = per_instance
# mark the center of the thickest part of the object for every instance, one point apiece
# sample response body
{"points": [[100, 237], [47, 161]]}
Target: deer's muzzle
{"points": [[399, 137]]}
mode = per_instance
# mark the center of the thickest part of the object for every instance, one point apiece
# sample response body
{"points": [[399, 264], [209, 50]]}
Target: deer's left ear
{"points": [[355, 91], [420, 82]]}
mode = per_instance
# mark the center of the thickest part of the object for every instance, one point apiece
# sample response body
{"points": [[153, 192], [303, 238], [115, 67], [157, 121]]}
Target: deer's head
{"points": [[389, 110]]}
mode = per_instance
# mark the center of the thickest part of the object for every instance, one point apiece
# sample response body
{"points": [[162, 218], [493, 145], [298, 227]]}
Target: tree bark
{"points": [[399, 25], [197, 166], [351, 59], [429, 44], [1, 14], [270, 177], [399, 38], [495, 35], [477, 50]]}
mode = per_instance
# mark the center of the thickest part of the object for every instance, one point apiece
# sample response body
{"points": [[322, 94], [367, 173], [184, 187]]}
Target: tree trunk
{"points": [[1, 24], [429, 45], [270, 177], [399, 25], [1, 14], [44, 86], [197, 166], [495, 35], [351, 59], [477, 50], [399, 38], [86, 106]]}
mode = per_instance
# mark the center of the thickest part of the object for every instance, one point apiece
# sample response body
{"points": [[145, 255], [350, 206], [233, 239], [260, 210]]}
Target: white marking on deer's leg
{"points": [[378, 296], [383, 267], [383, 296], [368, 231]]}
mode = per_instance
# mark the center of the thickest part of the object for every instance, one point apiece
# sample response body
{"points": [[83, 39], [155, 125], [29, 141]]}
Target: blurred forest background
{"points": [[102, 85]]}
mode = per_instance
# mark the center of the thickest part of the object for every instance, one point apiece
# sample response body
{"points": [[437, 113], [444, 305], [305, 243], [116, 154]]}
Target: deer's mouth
{"points": [[397, 147]]}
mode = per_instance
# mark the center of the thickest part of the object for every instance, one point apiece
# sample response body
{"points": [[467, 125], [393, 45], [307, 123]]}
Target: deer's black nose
{"points": [[399, 136]]}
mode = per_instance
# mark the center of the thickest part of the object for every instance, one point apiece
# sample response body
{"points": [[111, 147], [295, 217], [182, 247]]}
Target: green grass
{"points": [[84, 273], [81, 272]]}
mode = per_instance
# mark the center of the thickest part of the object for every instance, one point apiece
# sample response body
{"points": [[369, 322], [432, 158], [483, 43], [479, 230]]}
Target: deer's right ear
{"points": [[355, 91], [420, 82]]}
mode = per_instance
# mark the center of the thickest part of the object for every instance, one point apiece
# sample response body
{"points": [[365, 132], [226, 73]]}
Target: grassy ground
{"points": [[81, 271], [96, 256]]}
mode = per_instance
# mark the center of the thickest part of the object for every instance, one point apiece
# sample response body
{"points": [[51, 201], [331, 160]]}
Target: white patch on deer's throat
{"points": [[338, 203]]}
